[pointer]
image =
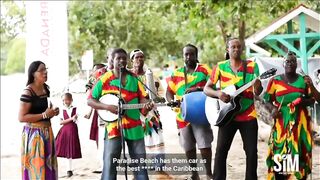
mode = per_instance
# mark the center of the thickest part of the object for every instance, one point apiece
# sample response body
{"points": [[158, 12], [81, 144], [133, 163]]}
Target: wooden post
{"points": [[303, 43]]}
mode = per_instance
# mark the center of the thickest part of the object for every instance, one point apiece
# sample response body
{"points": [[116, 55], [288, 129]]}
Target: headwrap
{"points": [[134, 52]]}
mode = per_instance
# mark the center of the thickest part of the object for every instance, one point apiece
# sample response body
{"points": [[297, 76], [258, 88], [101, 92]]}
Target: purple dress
{"points": [[67, 140]]}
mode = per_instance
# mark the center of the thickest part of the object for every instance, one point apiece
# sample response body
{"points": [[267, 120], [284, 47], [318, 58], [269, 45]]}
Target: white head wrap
{"points": [[134, 52]]}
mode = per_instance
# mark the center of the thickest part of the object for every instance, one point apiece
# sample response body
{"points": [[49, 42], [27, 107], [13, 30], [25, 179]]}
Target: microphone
{"points": [[121, 67]]}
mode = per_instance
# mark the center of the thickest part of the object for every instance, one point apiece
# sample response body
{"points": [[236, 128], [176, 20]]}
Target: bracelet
{"points": [[44, 115]]}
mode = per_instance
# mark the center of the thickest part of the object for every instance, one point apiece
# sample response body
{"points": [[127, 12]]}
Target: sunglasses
{"points": [[290, 62]]}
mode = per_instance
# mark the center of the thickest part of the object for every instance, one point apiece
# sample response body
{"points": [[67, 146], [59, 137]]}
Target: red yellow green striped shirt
{"points": [[131, 93], [223, 74], [176, 85]]}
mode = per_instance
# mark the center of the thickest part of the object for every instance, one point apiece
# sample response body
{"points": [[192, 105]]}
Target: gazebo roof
{"points": [[312, 22]]}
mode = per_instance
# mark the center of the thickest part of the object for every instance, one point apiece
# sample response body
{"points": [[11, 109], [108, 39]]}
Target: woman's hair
{"points": [[33, 67], [291, 55]]}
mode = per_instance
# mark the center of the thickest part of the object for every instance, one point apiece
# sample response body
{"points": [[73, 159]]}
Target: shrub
{"points": [[16, 56]]}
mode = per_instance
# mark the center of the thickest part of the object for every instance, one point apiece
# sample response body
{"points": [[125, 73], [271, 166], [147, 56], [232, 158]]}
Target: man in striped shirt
{"points": [[131, 127], [232, 72], [185, 80]]}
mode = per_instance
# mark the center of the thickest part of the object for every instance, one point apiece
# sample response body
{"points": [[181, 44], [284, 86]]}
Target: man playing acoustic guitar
{"points": [[235, 71]]}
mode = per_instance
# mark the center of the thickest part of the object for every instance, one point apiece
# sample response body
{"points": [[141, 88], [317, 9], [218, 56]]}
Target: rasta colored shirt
{"points": [[176, 85], [131, 93], [224, 74]]}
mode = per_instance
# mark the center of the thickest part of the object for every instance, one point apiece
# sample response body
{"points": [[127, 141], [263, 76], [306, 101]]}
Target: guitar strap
{"points": [[244, 64]]}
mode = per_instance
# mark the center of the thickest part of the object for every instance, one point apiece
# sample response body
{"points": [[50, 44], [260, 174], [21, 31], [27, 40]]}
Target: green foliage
{"points": [[146, 25], [12, 19], [210, 23], [11, 25], [16, 56], [159, 28], [2, 67]]}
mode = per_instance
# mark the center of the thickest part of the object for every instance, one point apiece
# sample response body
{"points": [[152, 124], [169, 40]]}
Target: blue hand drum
{"points": [[193, 108]]}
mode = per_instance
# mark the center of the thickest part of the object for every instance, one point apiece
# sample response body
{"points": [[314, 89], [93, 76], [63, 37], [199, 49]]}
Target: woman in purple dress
{"points": [[67, 140]]}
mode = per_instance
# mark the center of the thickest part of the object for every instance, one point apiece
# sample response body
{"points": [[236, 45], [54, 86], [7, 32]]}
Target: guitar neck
{"points": [[140, 106], [243, 88]]}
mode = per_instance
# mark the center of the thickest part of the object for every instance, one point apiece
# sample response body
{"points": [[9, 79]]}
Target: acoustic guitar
{"points": [[112, 99], [228, 110]]}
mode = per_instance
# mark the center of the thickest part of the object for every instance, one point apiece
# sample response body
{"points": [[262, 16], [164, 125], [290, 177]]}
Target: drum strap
{"points": [[185, 78]]}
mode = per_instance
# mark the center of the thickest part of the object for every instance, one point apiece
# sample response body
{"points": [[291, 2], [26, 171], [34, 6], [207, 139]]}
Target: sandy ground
{"points": [[11, 128]]}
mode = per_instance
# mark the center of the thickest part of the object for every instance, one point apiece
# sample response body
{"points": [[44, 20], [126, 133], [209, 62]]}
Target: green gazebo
{"points": [[304, 42]]}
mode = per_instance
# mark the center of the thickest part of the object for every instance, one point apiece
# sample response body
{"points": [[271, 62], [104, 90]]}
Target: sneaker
{"points": [[98, 171], [69, 173]]}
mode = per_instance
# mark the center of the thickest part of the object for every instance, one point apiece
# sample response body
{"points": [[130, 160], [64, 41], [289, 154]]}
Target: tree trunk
{"points": [[222, 26], [242, 32]]}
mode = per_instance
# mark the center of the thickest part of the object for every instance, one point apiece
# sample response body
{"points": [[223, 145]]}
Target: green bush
{"points": [[2, 65], [16, 56]]}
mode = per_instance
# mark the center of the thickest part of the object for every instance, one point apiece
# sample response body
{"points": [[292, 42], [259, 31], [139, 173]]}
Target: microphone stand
{"points": [[149, 89], [120, 123]]}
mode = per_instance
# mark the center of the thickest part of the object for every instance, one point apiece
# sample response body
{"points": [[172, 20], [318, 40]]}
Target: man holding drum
{"points": [[190, 78], [232, 72], [131, 128]]}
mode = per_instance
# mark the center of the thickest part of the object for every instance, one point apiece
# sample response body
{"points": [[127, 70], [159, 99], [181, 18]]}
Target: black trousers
{"points": [[249, 135]]}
